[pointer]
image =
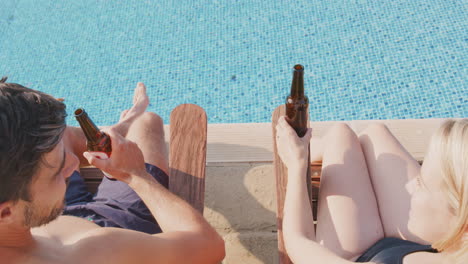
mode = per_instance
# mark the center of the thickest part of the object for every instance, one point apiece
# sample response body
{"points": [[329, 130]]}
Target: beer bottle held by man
{"points": [[297, 103], [97, 142]]}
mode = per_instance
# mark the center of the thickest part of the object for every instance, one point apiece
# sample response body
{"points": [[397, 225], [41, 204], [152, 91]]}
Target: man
{"points": [[39, 152]]}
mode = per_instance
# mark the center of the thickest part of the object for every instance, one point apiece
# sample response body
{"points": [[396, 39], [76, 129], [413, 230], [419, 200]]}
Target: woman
{"points": [[376, 203]]}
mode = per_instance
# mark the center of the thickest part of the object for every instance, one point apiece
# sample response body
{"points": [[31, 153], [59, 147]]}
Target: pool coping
{"points": [[252, 142]]}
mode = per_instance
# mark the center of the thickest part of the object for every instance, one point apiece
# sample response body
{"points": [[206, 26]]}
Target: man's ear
{"points": [[6, 214]]}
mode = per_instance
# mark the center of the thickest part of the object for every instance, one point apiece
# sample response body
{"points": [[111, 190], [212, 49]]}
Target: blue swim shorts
{"points": [[115, 204]]}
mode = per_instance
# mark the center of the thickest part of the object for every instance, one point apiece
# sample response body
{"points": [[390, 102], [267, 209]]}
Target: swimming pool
{"points": [[363, 59]]}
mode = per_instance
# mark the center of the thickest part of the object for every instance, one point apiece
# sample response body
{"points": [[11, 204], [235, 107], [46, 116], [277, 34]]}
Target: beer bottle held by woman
{"points": [[297, 103], [297, 115], [97, 142]]}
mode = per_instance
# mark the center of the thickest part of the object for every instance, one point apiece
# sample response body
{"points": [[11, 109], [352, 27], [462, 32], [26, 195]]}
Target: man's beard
{"points": [[35, 216]]}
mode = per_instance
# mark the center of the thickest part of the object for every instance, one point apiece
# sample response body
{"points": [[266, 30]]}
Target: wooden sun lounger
{"points": [[187, 156]]}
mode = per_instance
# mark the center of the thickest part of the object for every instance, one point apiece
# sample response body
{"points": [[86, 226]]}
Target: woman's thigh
{"points": [[348, 220], [391, 168]]}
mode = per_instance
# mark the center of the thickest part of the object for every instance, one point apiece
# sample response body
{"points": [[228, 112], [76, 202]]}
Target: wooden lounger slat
{"points": [[187, 154], [92, 177], [281, 181]]}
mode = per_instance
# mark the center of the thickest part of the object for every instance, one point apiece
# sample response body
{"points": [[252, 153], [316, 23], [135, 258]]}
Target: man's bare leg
{"points": [[148, 133], [146, 129]]}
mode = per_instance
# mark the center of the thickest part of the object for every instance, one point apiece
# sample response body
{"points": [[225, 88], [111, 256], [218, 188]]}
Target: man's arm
{"points": [[187, 237], [121, 246]]}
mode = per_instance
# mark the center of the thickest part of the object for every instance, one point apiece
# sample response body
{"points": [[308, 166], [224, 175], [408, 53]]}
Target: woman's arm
{"points": [[298, 225]]}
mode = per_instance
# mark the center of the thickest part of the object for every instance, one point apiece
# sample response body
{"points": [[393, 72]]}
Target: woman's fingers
{"points": [[308, 135], [283, 123]]}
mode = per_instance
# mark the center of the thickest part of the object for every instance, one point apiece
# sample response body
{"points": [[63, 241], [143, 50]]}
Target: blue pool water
{"points": [[363, 59]]}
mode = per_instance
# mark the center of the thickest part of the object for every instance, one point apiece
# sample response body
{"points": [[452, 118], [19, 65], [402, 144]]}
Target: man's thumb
{"points": [[94, 160]]}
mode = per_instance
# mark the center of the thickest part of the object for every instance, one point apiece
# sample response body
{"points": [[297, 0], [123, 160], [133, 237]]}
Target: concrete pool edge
{"points": [[252, 142]]}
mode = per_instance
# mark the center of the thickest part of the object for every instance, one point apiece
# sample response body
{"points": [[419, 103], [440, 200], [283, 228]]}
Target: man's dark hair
{"points": [[31, 124]]}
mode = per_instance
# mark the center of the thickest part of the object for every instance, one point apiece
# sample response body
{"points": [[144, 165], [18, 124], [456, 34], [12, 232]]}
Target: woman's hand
{"points": [[292, 149], [125, 161]]}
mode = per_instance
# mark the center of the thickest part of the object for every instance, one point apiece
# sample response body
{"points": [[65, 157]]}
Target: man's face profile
{"points": [[48, 187]]}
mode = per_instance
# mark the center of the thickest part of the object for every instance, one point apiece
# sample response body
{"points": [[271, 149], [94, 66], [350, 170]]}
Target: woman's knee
{"points": [[374, 130], [341, 130], [340, 136], [375, 133]]}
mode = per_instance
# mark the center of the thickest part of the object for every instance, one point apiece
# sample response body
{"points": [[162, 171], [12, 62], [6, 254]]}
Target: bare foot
{"points": [[123, 114], [140, 103]]}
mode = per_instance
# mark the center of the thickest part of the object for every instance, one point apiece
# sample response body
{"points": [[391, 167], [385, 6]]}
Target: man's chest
{"points": [[65, 230]]}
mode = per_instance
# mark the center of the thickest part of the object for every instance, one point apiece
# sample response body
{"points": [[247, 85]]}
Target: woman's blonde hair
{"points": [[450, 143]]}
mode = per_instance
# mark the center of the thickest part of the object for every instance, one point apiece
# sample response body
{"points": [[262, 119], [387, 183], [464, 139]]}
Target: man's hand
{"points": [[292, 149], [76, 141], [126, 160]]}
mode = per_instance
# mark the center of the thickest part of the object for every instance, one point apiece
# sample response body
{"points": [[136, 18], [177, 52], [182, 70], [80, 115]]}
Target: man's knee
{"points": [[150, 119]]}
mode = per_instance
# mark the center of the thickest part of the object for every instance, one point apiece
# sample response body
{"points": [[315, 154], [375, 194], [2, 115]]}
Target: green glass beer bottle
{"points": [[297, 103]]}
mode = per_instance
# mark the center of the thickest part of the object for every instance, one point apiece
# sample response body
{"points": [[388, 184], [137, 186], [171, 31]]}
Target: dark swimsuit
{"points": [[115, 204], [391, 250]]}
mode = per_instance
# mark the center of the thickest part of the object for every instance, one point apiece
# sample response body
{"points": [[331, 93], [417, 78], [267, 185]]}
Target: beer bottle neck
{"points": [[90, 130], [297, 86]]}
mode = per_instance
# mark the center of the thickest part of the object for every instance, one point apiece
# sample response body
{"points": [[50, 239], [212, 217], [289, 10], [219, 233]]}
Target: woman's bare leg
{"points": [[348, 216], [391, 168]]}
